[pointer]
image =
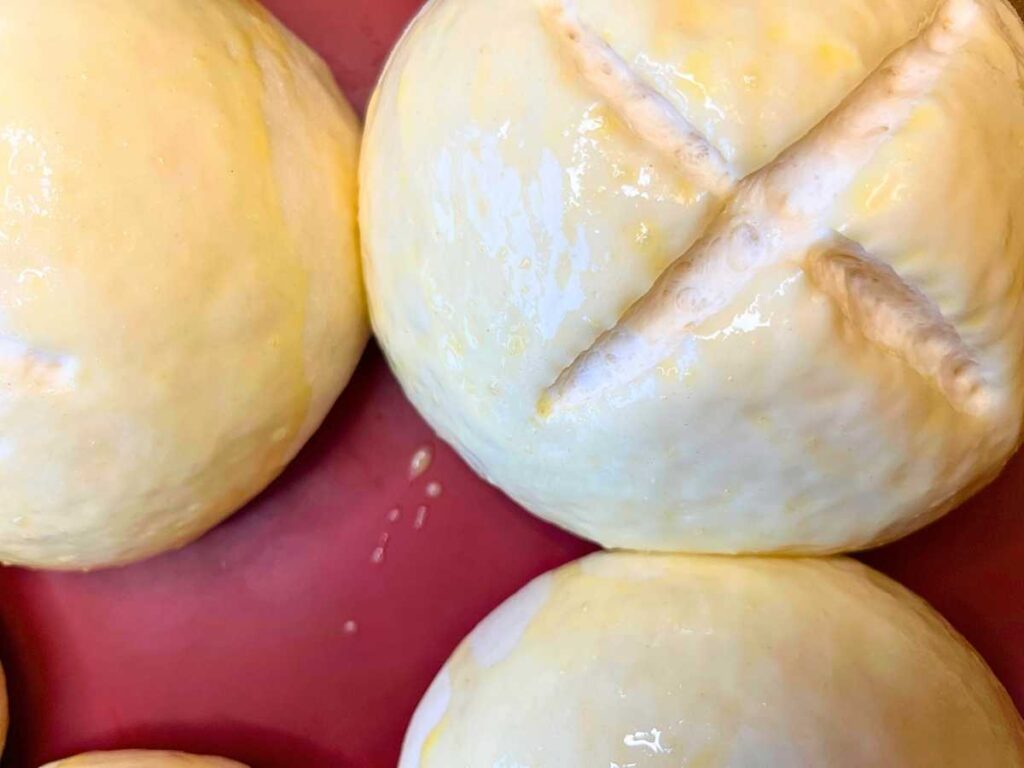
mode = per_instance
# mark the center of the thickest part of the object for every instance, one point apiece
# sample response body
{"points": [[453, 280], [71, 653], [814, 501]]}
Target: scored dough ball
{"points": [[180, 292], [138, 758], [666, 660], [835, 363]]}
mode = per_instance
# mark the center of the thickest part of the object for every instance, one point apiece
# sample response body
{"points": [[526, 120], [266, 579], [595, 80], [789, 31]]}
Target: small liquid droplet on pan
{"points": [[377, 556], [420, 462], [421, 518]]}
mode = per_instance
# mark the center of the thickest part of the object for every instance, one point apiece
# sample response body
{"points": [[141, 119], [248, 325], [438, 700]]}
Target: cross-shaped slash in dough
{"points": [[774, 214]]}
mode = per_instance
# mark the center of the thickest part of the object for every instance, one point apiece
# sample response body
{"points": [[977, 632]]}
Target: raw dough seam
{"points": [[23, 367], [776, 213], [648, 114]]}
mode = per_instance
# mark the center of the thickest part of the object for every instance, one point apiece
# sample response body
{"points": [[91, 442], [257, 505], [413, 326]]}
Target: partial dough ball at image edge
{"points": [[181, 297], [4, 711], [836, 372], [143, 759], [662, 660]]}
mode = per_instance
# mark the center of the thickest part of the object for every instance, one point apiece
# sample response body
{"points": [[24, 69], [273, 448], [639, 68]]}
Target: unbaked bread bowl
{"points": [[137, 758], [664, 661], [705, 276], [180, 292]]}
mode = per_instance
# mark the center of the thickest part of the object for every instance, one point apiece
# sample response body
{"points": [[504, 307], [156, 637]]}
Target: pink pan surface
{"points": [[303, 631]]}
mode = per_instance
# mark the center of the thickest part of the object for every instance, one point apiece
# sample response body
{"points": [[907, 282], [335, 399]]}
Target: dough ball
{"points": [[4, 714], [180, 291], [664, 661], [142, 759], [782, 396]]}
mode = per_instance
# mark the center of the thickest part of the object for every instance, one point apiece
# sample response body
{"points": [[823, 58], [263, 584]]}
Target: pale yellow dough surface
{"points": [[180, 292], [509, 218], [142, 759], [666, 661]]}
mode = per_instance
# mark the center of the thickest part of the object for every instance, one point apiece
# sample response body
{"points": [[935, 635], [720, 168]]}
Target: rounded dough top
{"points": [[180, 292], [143, 759], [511, 214], [663, 661]]}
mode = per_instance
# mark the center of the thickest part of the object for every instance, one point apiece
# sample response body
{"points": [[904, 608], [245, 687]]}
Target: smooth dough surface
{"points": [[180, 292], [667, 661], [509, 218], [137, 758]]}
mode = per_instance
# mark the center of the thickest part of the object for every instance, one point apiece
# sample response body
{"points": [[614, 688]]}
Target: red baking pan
{"points": [[303, 631]]}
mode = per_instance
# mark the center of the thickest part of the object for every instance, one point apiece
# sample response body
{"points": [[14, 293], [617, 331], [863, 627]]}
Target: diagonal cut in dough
{"points": [[776, 213], [901, 319], [648, 114]]}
